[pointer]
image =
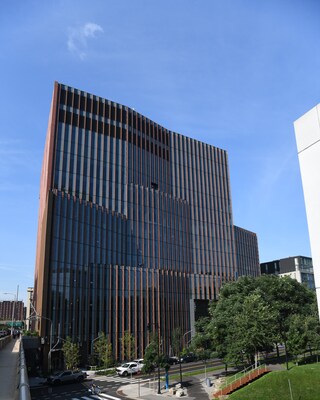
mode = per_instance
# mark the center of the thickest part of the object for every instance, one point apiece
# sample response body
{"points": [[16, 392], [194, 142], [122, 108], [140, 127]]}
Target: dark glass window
{"points": [[88, 123], [75, 119], [100, 126], [89, 102], [76, 100], [94, 111], [112, 131], [61, 116], [154, 186], [94, 125], [69, 99], [82, 103], [113, 113], [63, 96], [81, 122], [124, 116], [101, 108]]}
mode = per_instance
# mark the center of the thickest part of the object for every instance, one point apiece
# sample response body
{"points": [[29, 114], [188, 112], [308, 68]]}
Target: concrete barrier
{"points": [[4, 341]]}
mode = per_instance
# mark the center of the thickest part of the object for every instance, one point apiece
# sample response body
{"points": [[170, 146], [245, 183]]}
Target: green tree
{"points": [[297, 338], [128, 345], [254, 326], [103, 350], [176, 340], [151, 358], [312, 328], [70, 353], [303, 334], [253, 313], [287, 297], [224, 331], [202, 343]]}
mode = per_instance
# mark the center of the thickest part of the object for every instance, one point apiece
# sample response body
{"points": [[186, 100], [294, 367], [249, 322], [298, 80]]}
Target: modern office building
{"points": [[135, 225], [247, 253], [299, 268], [307, 130]]}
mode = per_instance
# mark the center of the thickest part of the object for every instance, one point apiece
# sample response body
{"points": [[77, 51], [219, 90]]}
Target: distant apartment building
{"points": [[307, 130], [299, 268], [135, 225], [11, 310]]}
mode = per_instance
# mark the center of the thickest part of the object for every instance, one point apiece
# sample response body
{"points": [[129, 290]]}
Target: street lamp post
{"points": [[98, 337], [185, 335]]}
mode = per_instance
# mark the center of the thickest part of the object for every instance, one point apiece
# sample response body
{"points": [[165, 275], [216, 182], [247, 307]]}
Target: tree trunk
{"points": [[286, 352]]}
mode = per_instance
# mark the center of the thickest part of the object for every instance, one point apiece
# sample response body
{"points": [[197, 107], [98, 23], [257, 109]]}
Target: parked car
{"points": [[140, 363], [188, 358], [171, 360], [66, 377], [127, 368], [4, 332]]}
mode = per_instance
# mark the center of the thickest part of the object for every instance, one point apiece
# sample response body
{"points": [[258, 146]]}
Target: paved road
{"points": [[77, 391], [111, 385]]}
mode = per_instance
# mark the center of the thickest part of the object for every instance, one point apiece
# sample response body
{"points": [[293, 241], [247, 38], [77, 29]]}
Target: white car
{"points": [[127, 369], [140, 363]]}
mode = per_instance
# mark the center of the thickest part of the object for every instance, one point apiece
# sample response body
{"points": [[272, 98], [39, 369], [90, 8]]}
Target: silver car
{"points": [[67, 376]]}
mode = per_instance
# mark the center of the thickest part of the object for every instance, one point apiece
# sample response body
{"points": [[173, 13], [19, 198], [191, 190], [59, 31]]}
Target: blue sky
{"points": [[232, 73]]}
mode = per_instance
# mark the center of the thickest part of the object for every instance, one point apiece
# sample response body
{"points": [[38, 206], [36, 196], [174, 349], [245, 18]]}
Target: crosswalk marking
{"points": [[92, 397], [96, 397], [83, 398], [107, 396], [114, 379], [119, 379]]}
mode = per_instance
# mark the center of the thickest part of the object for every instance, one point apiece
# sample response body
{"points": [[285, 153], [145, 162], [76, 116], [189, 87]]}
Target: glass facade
{"points": [[247, 252], [135, 223]]}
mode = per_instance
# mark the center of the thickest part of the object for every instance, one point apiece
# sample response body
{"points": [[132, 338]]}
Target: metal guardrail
{"points": [[243, 374], [241, 378], [24, 388]]}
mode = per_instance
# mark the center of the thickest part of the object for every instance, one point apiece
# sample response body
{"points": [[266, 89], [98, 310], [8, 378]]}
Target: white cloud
{"points": [[78, 38]]}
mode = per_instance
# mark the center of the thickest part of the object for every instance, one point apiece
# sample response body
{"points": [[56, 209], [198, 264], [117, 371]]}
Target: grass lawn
{"points": [[304, 381]]}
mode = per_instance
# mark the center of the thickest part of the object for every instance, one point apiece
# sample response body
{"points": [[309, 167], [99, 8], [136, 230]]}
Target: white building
{"points": [[307, 130], [299, 268]]}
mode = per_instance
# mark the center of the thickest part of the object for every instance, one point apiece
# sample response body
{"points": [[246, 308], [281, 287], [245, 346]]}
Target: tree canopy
{"points": [[103, 351], [71, 353], [128, 345], [252, 314]]}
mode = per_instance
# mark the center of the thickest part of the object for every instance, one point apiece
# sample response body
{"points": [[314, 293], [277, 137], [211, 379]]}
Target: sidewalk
{"points": [[9, 359], [194, 388]]}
